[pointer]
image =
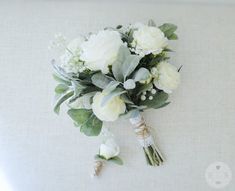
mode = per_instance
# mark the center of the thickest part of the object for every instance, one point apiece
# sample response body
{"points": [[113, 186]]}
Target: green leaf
{"points": [[161, 106], [111, 95], [129, 65], [116, 160], [158, 101], [100, 80], [89, 124], [144, 88], [61, 99], [61, 88], [119, 26], [173, 37], [151, 23], [168, 29], [99, 157]]}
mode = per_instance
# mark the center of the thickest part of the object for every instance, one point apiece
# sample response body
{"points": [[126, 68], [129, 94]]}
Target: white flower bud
{"points": [[109, 149]]}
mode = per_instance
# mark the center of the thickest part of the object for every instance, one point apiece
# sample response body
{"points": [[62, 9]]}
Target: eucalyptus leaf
{"points": [[89, 124], [173, 37], [158, 101], [61, 99], [100, 80], [144, 88], [168, 29]]}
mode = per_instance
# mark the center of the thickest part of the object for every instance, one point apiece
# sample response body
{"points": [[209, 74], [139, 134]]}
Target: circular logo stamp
{"points": [[218, 175]]}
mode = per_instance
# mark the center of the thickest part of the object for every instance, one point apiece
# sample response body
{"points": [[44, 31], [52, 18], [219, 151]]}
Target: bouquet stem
{"points": [[152, 153]]}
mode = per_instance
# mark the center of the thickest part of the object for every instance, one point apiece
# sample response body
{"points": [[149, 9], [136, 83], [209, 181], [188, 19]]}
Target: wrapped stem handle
{"points": [[143, 134]]}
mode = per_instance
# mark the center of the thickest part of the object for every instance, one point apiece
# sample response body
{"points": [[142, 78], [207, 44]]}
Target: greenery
{"points": [[89, 124], [116, 159], [130, 69]]}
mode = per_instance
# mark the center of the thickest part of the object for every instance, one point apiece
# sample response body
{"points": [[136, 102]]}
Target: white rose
{"points": [[70, 60], [101, 50], [148, 39], [109, 149], [111, 110], [167, 78]]}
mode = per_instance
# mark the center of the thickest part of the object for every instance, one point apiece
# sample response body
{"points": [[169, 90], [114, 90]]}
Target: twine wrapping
{"points": [[142, 131], [98, 165]]}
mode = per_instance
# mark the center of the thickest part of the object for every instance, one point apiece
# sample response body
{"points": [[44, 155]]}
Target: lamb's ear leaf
{"points": [[168, 29], [60, 98], [116, 160], [111, 86], [111, 95], [129, 65], [61, 80], [89, 124], [158, 101], [61, 88], [117, 65], [100, 80]]}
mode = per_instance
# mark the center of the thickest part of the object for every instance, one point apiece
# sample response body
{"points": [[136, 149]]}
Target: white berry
{"points": [[153, 91], [150, 97], [143, 97]]}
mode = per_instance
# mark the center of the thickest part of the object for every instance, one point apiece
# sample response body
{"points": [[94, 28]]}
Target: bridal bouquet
{"points": [[116, 72]]}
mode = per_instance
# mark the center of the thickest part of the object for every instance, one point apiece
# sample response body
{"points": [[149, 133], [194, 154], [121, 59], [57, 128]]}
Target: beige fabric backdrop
{"points": [[40, 151]]}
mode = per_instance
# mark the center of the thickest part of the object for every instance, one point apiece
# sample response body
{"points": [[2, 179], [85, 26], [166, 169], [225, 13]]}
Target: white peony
{"points": [[70, 60], [148, 39], [109, 149], [167, 78], [111, 110], [101, 50]]}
